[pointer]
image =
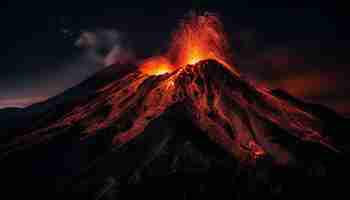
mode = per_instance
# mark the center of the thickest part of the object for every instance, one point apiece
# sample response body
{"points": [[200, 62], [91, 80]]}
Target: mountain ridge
{"points": [[125, 131]]}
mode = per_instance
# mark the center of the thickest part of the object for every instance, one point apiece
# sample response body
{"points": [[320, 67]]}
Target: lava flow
{"points": [[198, 37]]}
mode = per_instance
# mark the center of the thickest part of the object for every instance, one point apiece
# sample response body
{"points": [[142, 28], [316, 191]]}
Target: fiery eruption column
{"points": [[197, 38]]}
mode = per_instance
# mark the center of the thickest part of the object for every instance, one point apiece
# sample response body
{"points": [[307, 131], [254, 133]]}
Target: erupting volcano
{"points": [[187, 113]]}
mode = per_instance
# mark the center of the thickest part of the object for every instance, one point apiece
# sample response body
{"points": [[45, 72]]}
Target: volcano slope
{"points": [[200, 131]]}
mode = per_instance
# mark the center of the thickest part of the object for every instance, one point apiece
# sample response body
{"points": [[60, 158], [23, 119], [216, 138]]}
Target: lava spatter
{"points": [[197, 38]]}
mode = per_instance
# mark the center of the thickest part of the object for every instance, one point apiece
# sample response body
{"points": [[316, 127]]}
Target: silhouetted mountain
{"points": [[199, 132]]}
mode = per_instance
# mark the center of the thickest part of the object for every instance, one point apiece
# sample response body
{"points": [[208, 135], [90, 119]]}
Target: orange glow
{"points": [[156, 66], [198, 37]]}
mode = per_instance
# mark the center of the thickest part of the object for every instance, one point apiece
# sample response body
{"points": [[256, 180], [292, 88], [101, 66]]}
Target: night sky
{"points": [[299, 46]]}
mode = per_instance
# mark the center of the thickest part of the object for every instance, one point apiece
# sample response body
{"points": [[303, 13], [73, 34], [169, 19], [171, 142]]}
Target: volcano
{"points": [[199, 131]]}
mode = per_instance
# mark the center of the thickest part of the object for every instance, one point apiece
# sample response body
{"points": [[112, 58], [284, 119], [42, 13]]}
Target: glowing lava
{"points": [[156, 66], [198, 37]]}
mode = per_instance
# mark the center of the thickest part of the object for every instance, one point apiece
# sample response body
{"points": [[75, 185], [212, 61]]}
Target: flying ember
{"points": [[198, 37]]}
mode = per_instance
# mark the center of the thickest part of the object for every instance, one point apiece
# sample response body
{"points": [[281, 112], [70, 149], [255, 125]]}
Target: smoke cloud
{"points": [[107, 47], [97, 49], [300, 75]]}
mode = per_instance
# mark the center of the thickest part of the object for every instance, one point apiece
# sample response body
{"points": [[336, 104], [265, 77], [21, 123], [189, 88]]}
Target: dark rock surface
{"points": [[173, 158]]}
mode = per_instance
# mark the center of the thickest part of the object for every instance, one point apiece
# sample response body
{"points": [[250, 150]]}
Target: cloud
{"points": [[300, 72], [100, 48], [308, 84], [97, 49], [20, 102], [106, 46]]}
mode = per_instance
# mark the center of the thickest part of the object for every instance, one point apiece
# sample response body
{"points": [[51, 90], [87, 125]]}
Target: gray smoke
{"points": [[106, 47], [98, 49]]}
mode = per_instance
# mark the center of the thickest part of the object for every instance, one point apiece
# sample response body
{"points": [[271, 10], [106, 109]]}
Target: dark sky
{"points": [[300, 46]]}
